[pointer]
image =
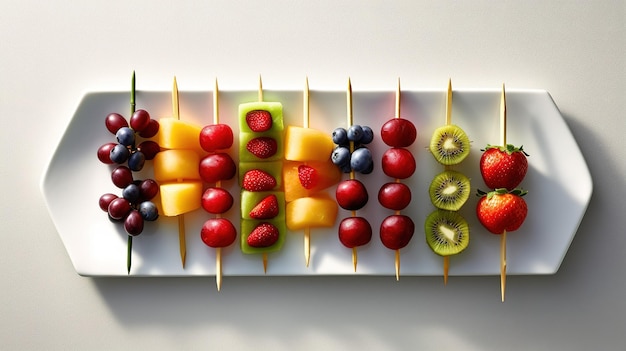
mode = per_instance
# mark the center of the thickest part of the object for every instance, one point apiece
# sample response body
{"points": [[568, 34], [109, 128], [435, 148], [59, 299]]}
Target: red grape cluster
{"points": [[397, 230], [135, 205], [215, 167]]}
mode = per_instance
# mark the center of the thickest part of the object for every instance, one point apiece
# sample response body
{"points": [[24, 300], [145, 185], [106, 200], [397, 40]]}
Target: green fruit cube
{"points": [[250, 199], [274, 108], [247, 226], [274, 168], [245, 155]]}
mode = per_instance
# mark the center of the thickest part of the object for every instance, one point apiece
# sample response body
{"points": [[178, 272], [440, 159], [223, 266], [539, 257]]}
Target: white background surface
{"points": [[51, 53]]}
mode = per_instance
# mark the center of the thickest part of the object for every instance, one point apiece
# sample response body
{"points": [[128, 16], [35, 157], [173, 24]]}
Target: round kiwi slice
{"points": [[449, 190], [447, 232], [449, 145]]}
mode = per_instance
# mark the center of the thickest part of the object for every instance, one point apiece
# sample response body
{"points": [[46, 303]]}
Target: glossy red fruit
{"points": [[217, 167], [266, 208], [398, 163], [262, 147], [149, 149], [105, 200], [394, 196], [259, 120], [119, 208], [308, 176], [133, 224], [351, 195], [218, 232], [216, 137], [216, 200], [354, 231], [139, 120], [115, 121], [503, 167], [264, 235], [148, 188], [396, 231], [501, 210], [258, 180], [398, 132], [122, 176], [104, 153], [151, 129]]}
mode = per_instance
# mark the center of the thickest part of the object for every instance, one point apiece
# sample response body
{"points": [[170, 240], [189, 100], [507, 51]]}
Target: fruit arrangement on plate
{"points": [[277, 169]]}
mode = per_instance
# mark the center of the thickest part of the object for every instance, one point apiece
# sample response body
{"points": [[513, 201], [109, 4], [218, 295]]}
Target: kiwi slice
{"points": [[449, 145], [449, 190], [447, 232]]}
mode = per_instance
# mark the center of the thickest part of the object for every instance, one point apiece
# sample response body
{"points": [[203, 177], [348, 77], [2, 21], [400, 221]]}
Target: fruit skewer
{"points": [[218, 184], [397, 115], [260, 99], [129, 243], [305, 124], [446, 259], [182, 244]]}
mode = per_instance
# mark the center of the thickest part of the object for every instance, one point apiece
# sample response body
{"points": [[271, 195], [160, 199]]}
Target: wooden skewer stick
{"points": [[129, 242], [260, 97], [446, 259], [218, 250], [397, 256], [181, 218], [352, 173], [503, 237], [305, 124]]}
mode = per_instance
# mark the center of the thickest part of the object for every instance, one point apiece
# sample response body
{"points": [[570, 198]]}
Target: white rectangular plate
{"points": [[558, 182]]}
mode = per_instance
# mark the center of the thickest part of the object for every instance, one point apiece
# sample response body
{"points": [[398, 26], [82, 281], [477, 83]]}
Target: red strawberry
{"points": [[264, 235], [308, 176], [259, 120], [503, 167], [262, 147], [501, 210], [266, 208], [258, 180]]}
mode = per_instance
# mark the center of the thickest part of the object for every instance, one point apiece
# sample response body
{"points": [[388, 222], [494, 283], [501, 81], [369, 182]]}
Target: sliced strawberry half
{"points": [[308, 176], [264, 235], [259, 120], [266, 208], [258, 180], [262, 147]]}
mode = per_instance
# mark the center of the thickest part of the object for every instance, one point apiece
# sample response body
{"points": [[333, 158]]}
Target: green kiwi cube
{"points": [[249, 199], [274, 168], [274, 108], [247, 226], [246, 156]]}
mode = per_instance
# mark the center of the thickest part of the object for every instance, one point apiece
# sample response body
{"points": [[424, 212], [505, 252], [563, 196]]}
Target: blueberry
{"points": [[368, 135], [355, 133], [136, 161], [148, 211], [341, 156], [119, 154], [131, 193], [125, 136], [361, 159], [340, 136]]}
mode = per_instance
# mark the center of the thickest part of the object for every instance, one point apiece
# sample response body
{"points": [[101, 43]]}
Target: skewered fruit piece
{"points": [[307, 144], [314, 211], [449, 145]]}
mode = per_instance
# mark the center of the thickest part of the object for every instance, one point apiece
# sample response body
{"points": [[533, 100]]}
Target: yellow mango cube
{"points": [[179, 198], [306, 144], [316, 211], [176, 165], [176, 134]]}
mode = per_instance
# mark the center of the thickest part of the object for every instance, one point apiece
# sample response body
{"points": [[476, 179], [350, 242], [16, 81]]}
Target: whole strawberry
{"points": [[503, 167], [501, 210]]}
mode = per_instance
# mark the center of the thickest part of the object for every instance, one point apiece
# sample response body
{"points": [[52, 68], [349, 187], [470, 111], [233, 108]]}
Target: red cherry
{"points": [[216, 167], [398, 163], [394, 196], [398, 132], [354, 231], [216, 200], [218, 232], [351, 195], [216, 137], [396, 231]]}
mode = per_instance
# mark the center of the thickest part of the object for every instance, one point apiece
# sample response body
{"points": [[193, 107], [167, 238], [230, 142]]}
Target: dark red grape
{"points": [[139, 120], [115, 121], [105, 200], [119, 208], [122, 176], [104, 153], [149, 149], [150, 130], [133, 224], [148, 188]]}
